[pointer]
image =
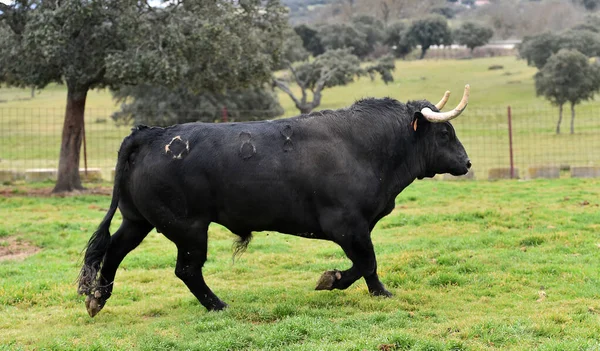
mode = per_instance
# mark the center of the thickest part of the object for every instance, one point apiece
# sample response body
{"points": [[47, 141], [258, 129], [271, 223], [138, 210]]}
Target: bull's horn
{"points": [[440, 105], [436, 117]]}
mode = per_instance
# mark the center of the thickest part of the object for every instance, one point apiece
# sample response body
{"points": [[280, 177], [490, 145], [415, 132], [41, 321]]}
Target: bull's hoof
{"points": [[382, 292], [328, 280], [217, 306], [94, 303]]}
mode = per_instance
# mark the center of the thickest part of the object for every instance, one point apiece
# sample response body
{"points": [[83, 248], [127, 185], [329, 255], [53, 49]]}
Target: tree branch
{"points": [[301, 84], [281, 85]]}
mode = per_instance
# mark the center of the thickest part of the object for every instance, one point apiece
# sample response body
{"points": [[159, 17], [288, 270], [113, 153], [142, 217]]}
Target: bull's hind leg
{"points": [[192, 243], [356, 243], [127, 238]]}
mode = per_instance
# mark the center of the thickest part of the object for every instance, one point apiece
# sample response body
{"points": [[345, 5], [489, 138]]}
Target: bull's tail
{"points": [[98, 244]]}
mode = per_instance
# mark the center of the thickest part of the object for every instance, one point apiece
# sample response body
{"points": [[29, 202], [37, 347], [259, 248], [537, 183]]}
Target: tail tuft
{"points": [[241, 244], [94, 255]]}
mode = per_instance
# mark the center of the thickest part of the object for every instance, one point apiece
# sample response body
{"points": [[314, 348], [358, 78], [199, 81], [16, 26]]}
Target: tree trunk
{"points": [[70, 148], [572, 118], [560, 111], [423, 52]]}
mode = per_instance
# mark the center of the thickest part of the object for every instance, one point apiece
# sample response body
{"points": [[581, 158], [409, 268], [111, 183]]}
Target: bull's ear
{"points": [[418, 121]]}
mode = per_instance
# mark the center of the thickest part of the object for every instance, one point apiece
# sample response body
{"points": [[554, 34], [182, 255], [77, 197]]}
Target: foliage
{"points": [[591, 23], [430, 30], [568, 77], [585, 41], [384, 66], [361, 35], [344, 36], [161, 106], [107, 43], [473, 35], [538, 49], [397, 38], [310, 39], [372, 28], [293, 48]]}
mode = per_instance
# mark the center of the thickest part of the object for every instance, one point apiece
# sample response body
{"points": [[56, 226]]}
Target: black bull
{"points": [[329, 175]]}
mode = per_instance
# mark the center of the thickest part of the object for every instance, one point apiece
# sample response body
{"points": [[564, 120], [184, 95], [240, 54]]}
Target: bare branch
{"points": [[300, 82], [281, 85]]}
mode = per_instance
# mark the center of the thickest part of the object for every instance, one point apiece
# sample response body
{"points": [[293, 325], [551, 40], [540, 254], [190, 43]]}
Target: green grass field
{"points": [[473, 266], [30, 130]]}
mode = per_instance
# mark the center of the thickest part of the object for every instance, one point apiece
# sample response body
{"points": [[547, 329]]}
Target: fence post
{"points": [[510, 144], [84, 150]]}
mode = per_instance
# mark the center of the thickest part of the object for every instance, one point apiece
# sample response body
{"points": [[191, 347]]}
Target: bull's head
{"points": [[444, 153]]}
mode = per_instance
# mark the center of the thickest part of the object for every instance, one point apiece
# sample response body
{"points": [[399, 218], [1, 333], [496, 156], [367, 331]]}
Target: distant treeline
{"points": [[510, 19]]}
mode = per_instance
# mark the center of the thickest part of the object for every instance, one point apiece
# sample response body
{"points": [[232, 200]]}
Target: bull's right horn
{"points": [[440, 105], [437, 117]]}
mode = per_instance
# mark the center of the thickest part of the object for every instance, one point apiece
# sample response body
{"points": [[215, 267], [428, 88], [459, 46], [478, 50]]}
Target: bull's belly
{"points": [[246, 215]]}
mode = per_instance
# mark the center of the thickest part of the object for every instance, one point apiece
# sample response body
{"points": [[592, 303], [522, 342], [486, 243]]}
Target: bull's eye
{"points": [[445, 135]]}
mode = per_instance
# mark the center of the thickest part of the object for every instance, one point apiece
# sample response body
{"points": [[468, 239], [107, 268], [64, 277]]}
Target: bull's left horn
{"points": [[437, 117], [440, 105]]}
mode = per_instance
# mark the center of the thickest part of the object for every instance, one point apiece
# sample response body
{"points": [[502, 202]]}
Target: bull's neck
{"points": [[408, 164]]}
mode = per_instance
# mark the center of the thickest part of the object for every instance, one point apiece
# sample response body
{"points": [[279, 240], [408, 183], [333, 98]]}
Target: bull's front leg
{"points": [[359, 249]]}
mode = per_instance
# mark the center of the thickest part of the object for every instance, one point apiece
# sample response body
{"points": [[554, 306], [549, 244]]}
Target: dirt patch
{"points": [[15, 249], [15, 190]]}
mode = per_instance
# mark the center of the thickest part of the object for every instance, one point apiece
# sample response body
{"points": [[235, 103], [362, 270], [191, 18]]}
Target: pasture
{"points": [[30, 130], [473, 266]]}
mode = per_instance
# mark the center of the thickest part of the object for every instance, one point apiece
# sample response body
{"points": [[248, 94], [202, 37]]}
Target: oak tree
{"points": [[214, 45], [568, 76]]}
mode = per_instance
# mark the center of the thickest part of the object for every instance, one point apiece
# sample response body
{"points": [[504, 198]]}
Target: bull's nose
{"points": [[468, 164]]}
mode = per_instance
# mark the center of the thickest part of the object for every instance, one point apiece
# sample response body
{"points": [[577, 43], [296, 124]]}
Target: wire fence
{"points": [[30, 139]]}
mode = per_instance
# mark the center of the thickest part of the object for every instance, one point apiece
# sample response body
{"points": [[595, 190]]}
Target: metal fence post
{"points": [[510, 144]]}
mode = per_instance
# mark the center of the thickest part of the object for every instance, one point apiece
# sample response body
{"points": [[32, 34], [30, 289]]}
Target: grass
{"points": [[473, 266], [31, 129]]}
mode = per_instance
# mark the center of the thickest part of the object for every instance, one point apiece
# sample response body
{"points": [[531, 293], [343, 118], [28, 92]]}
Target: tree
{"points": [[567, 77], [344, 36], [333, 68], [310, 39], [372, 28], [162, 106], [585, 41], [473, 35], [397, 38], [430, 30], [538, 49], [109, 43]]}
